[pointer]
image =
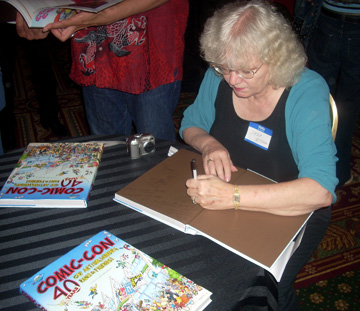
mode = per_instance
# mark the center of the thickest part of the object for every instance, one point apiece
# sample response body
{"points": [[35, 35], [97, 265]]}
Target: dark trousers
{"points": [[314, 232]]}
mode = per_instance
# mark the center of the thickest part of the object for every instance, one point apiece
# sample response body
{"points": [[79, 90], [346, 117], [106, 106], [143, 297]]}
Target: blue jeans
{"points": [[334, 52], [114, 112]]}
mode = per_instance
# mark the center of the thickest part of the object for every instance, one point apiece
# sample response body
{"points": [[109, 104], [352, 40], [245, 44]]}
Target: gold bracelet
{"points": [[236, 199]]}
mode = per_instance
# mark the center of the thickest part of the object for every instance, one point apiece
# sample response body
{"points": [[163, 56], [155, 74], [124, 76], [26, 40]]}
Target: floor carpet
{"points": [[331, 278], [329, 281]]}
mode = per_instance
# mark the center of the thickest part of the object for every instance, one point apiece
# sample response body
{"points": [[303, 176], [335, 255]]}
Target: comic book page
{"points": [[39, 13]]}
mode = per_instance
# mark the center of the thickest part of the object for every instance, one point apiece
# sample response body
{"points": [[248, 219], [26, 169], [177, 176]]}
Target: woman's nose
{"points": [[234, 78]]}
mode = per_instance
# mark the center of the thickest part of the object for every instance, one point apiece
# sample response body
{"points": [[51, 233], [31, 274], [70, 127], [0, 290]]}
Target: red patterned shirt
{"points": [[133, 55]]}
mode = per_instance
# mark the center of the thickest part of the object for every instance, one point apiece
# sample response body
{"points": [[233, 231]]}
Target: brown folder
{"points": [[265, 239]]}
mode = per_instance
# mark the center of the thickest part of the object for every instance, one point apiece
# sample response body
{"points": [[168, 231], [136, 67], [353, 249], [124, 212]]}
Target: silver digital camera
{"points": [[140, 144]]}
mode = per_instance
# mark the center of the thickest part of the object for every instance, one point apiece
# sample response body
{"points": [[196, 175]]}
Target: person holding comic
{"points": [[128, 59]]}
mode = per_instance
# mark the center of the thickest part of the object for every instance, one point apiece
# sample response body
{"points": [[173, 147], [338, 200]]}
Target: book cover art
{"points": [[49, 15], [106, 273], [42, 12], [53, 175]]}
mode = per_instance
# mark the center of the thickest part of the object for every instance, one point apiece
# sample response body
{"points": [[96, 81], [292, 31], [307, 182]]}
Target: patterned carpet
{"points": [[331, 278]]}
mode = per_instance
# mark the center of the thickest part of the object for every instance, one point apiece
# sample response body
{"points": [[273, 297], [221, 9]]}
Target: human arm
{"points": [[297, 197], [308, 129], [63, 30], [196, 125]]}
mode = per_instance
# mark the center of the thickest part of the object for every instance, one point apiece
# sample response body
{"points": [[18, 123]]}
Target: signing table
{"points": [[32, 238]]}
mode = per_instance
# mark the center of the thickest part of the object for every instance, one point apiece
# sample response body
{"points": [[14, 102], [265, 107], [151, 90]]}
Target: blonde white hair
{"points": [[243, 31]]}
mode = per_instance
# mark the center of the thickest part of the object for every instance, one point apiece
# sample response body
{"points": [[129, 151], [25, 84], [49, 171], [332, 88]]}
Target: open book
{"points": [[264, 239], [39, 13]]}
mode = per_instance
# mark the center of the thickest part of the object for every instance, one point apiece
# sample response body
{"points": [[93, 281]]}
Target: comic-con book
{"points": [[53, 175], [39, 13], [105, 273]]}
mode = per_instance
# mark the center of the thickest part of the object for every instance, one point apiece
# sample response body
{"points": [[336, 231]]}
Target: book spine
{"points": [[35, 302]]}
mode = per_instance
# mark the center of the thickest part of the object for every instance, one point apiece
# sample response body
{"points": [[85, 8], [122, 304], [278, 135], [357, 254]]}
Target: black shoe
{"points": [[56, 127]]}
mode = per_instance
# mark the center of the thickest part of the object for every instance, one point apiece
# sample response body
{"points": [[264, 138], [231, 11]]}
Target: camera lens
{"points": [[148, 147]]}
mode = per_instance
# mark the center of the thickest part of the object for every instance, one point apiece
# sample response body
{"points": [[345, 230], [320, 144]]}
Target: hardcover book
{"points": [[106, 273], [265, 239], [53, 175], [39, 13]]}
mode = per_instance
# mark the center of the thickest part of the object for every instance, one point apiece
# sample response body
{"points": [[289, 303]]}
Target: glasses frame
{"points": [[219, 71]]}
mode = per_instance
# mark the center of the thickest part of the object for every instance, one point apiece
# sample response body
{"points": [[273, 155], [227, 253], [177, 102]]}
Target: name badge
{"points": [[258, 135]]}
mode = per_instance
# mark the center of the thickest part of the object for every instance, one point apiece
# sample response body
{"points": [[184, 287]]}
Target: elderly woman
{"points": [[258, 107]]}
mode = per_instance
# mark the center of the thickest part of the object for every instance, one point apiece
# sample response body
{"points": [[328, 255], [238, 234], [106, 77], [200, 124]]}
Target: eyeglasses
{"points": [[244, 74]]}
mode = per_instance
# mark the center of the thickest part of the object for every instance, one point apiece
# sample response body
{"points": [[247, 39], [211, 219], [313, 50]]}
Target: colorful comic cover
{"points": [[105, 273], [40, 13], [53, 175]]}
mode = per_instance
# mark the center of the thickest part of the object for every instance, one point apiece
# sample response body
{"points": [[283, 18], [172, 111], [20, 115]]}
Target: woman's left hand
{"points": [[217, 161], [211, 192]]}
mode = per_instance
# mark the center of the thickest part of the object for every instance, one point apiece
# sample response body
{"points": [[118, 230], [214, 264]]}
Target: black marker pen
{"points": [[194, 168]]}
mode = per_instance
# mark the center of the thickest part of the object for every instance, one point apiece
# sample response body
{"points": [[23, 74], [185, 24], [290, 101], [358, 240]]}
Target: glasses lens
{"points": [[225, 71], [221, 70], [218, 70], [245, 74]]}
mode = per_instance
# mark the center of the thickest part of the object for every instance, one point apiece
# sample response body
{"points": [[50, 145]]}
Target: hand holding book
{"points": [[40, 13], [24, 31], [64, 29], [58, 16]]}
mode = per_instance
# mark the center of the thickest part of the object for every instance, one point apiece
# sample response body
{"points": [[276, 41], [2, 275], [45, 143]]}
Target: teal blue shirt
{"points": [[308, 124]]}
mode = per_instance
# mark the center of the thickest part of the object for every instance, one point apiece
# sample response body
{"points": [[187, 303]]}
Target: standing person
{"points": [[8, 54], [42, 78], [259, 108], [2, 106], [129, 65], [330, 30], [45, 84]]}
